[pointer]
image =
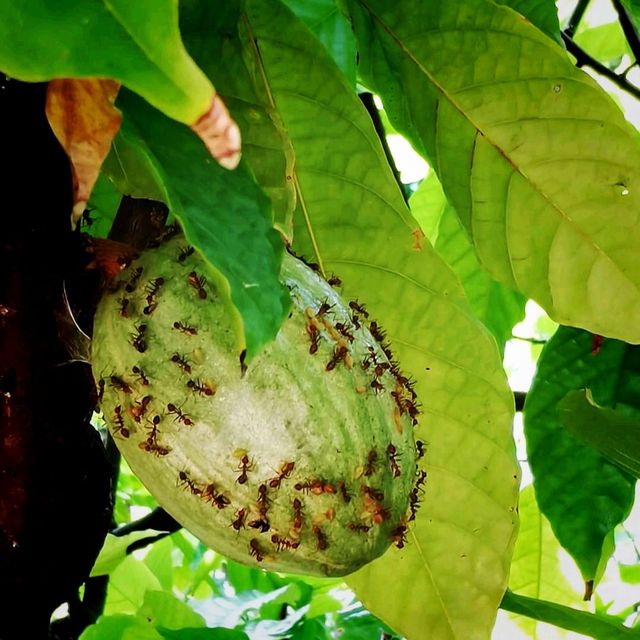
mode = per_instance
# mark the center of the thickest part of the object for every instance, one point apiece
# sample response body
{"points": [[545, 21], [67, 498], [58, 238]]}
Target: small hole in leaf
{"points": [[557, 88]]}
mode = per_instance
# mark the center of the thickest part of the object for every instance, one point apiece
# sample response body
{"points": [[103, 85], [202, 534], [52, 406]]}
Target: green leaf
{"points": [[163, 609], [128, 584], [595, 625], [108, 628], [220, 51], [136, 43], [332, 28], [103, 206], [536, 569], [614, 435], [605, 43], [114, 551], [160, 561], [354, 222], [633, 9], [203, 634], [223, 214], [536, 158], [541, 13], [583, 496], [496, 306]]}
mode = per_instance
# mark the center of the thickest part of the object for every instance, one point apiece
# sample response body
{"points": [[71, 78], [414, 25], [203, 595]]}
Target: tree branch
{"points": [[628, 28], [576, 17], [583, 59]]}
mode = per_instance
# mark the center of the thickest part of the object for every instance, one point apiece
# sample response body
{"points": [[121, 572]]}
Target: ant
{"points": [[185, 481], [140, 408], [182, 362], [153, 287], [297, 514], [255, 550], [422, 477], [334, 281], [119, 384], [344, 331], [323, 309], [133, 280], [185, 328], [370, 466], [244, 465], [346, 496], [314, 334], [144, 381], [358, 528], [203, 388], [321, 538], [119, 420], [240, 517], [377, 332], [414, 503], [180, 415], [154, 448], [261, 524], [138, 338], [373, 493], [420, 449], [339, 354], [101, 384], [198, 283], [282, 543], [283, 474], [185, 252], [358, 308], [376, 385], [124, 307], [393, 454], [399, 536], [263, 500]]}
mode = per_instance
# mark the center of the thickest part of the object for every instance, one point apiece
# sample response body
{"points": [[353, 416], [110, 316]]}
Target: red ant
{"points": [[144, 381], [203, 388], [138, 338], [263, 500], [119, 384], [185, 481], [321, 538], [314, 334], [240, 516], [255, 551], [180, 415], [185, 328], [185, 253], [198, 283], [399, 536], [339, 354], [393, 454], [140, 408], [244, 465], [182, 362], [358, 528], [370, 466], [283, 474], [154, 448], [119, 420], [297, 514], [218, 499], [282, 543]]}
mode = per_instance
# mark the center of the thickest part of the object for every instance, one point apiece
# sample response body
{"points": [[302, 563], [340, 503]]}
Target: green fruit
{"points": [[305, 462]]}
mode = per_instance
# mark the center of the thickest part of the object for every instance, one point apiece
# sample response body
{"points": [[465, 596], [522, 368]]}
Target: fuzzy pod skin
{"points": [[304, 463]]}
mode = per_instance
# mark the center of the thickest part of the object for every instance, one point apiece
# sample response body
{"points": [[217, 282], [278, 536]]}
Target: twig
{"points": [[530, 340], [583, 59], [629, 29], [519, 398], [576, 17], [158, 519]]}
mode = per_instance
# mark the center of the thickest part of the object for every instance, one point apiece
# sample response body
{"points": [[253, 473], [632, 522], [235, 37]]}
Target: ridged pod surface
{"points": [[305, 462]]}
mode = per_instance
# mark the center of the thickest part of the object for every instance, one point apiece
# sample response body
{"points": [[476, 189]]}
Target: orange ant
{"points": [[185, 481], [198, 283], [240, 517], [140, 408], [119, 420], [202, 388], [283, 474], [144, 381], [393, 454], [244, 465], [282, 543], [263, 500], [185, 328], [321, 538], [370, 466], [119, 384], [210, 494], [255, 550], [154, 448], [180, 415], [182, 362]]}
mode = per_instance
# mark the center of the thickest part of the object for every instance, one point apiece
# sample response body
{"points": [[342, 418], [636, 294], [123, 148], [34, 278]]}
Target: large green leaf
{"points": [[137, 43], [613, 434], [213, 40], [223, 214], [542, 13], [583, 496], [606, 42], [538, 161], [498, 307], [353, 220], [536, 569], [326, 20], [600, 626]]}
